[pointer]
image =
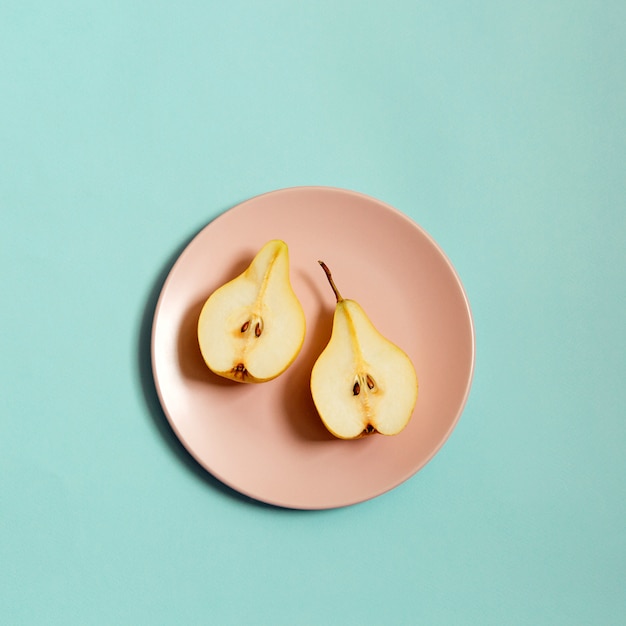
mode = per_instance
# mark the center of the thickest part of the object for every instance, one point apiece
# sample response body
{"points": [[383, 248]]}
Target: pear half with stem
{"points": [[252, 328], [361, 383]]}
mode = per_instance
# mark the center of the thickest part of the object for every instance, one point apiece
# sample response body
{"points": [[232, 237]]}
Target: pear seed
{"points": [[356, 390], [258, 330], [370, 382], [245, 326]]}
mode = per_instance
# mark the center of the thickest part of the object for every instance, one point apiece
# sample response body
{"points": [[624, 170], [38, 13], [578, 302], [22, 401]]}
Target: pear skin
{"points": [[252, 328], [361, 383]]}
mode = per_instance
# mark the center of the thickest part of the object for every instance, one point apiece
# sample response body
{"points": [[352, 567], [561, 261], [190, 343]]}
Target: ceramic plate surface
{"points": [[267, 441]]}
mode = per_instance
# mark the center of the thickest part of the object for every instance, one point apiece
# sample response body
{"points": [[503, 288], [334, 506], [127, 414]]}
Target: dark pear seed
{"points": [[356, 390], [370, 382], [245, 326], [257, 330]]}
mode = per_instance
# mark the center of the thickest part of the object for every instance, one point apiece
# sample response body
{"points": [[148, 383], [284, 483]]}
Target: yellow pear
{"points": [[362, 383], [252, 328]]}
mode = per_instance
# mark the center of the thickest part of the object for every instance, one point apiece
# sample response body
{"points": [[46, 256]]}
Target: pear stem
{"points": [[331, 281]]}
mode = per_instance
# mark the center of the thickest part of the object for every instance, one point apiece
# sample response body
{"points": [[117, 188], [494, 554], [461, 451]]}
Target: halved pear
{"points": [[252, 328], [362, 383]]}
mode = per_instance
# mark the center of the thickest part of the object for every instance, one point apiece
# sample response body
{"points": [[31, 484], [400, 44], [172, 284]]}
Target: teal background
{"points": [[500, 127]]}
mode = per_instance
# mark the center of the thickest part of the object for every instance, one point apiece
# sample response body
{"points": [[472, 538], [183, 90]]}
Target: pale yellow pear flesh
{"points": [[252, 328], [362, 383]]}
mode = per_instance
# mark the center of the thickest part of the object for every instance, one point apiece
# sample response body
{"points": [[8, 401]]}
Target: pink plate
{"points": [[267, 441]]}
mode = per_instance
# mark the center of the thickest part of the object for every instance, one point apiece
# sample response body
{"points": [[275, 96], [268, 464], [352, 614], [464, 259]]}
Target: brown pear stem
{"points": [[331, 281]]}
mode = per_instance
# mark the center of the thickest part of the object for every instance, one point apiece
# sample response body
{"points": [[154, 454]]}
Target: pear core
{"points": [[252, 328], [361, 383]]}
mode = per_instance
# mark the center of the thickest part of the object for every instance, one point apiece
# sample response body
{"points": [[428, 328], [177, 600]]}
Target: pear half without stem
{"points": [[252, 328], [361, 383]]}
